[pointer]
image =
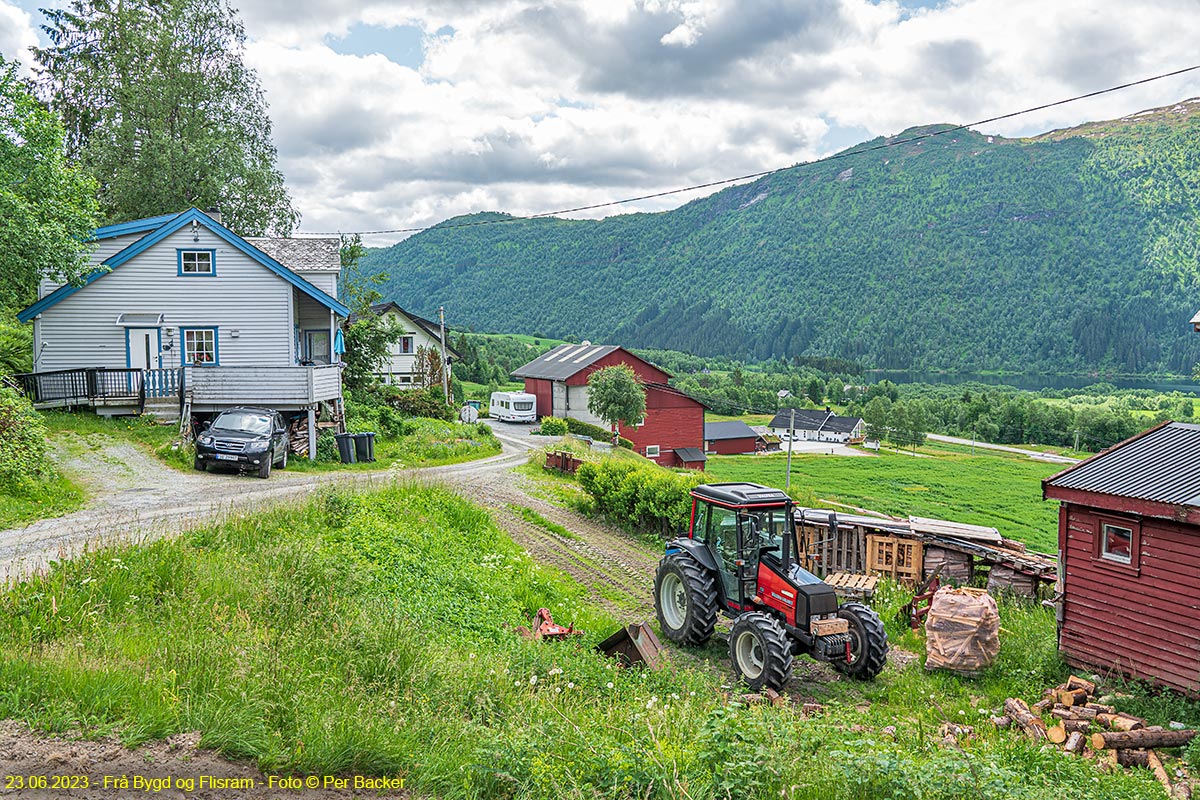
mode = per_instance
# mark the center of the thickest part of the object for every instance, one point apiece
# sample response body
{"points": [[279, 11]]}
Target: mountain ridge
{"points": [[1060, 252]]}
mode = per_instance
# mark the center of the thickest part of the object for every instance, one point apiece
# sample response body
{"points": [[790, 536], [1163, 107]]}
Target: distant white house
{"points": [[815, 425], [417, 332], [180, 308]]}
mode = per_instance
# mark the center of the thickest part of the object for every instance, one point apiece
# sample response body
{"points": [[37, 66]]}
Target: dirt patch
{"points": [[173, 769]]}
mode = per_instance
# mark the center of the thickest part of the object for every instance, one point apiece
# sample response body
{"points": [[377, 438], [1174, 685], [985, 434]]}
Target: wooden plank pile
{"points": [[1080, 725]]}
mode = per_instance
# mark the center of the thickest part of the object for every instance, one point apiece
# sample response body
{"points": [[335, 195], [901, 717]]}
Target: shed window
{"points": [[651, 451], [196, 262], [199, 346], [1116, 543]]}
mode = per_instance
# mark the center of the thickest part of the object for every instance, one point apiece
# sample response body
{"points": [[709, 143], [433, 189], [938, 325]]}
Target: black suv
{"points": [[246, 438]]}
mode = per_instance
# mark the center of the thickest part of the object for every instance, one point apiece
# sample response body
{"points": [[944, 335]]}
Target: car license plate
{"points": [[223, 457]]}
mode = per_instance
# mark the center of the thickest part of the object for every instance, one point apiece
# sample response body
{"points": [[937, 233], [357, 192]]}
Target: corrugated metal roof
{"points": [[564, 361], [733, 429], [808, 419], [1161, 465]]}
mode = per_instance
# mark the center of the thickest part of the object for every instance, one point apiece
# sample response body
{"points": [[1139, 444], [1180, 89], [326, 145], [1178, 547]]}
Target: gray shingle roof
{"points": [[1161, 465], [690, 455], [733, 429], [808, 419], [309, 253], [564, 361]]}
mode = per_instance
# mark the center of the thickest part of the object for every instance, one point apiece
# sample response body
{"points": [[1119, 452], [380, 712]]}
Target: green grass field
{"points": [[374, 634], [989, 488]]}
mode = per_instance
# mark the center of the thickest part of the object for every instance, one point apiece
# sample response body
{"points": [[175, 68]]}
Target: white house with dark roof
{"points": [[180, 308], [400, 367], [816, 425]]}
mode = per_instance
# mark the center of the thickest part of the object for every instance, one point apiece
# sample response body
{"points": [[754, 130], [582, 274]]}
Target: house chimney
{"points": [[215, 213]]}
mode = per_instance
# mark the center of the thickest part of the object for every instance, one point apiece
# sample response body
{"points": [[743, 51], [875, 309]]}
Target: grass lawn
{"points": [[373, 634], [989, 488], [36, 500]]}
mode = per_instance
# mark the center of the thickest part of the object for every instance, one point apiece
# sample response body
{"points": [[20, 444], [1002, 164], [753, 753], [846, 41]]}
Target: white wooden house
{"points": [[180, 307], [400, 367], [815, 425]]}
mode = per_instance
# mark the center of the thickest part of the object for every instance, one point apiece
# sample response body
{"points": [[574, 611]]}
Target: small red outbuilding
{"points": [[1129, 557]]}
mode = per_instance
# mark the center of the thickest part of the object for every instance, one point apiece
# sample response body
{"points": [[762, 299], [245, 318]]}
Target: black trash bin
{"points": [[364, 446], [345, 443]]}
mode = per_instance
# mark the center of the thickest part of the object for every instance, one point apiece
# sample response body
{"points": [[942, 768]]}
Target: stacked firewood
{"points": [[1070, 717]]}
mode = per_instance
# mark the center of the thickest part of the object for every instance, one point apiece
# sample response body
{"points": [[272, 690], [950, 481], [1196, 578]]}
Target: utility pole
{"points": [[972, 438], [1076, 441], [787, 483], [445, 365]]}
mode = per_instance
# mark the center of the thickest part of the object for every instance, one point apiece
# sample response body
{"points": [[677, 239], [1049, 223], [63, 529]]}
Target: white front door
{"points": [[143, 348]]}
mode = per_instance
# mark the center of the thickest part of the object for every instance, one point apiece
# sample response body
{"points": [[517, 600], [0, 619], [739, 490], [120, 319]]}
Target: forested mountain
{"points": [[1072, 251]]}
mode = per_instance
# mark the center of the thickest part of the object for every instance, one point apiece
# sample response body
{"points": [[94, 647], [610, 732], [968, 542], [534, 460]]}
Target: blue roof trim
{"points": [[135, 226], [174, 224]]}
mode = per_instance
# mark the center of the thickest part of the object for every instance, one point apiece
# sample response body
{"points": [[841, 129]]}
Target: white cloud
{"points": [[17, 34]]}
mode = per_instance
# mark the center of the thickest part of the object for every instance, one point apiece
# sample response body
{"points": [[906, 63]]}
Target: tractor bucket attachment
{"points": [[633, 644], [544, 627]]}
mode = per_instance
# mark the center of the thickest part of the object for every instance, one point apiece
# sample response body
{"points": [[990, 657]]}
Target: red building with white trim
{"points": [[1129, 557], [673, 420]]}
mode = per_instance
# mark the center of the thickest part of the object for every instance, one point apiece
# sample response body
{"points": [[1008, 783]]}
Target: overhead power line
{"points": [[756, 175]]}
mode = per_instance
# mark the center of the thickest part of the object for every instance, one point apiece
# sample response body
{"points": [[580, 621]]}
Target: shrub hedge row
{"points": [[581, 428], [644, 496]]}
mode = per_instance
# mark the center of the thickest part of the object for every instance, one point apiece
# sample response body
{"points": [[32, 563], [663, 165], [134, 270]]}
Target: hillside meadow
{"points": [[988, 488], [373, 634]]}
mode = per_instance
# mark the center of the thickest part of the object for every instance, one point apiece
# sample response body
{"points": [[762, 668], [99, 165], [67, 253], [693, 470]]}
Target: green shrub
{"points": [[327, 451], [554, 426], [16, 347], [645, 497], [22, 441], [581, 428], [428, 402]]}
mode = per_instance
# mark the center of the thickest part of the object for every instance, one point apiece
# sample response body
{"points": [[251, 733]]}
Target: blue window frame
{"points": [[197, 263], [200, 347]]}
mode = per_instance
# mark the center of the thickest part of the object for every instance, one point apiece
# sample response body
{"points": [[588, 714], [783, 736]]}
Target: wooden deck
{"points": [[280, 388]]}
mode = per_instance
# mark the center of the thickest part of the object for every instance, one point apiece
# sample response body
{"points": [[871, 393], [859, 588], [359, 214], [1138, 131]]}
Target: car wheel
{"points": [[198, 464], [283, 460], [264, 469]]}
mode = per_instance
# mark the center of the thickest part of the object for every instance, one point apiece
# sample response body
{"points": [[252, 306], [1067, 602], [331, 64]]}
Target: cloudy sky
{"points": [[392, 114]]}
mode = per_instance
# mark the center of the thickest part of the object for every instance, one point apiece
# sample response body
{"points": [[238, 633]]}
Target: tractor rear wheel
{"points": [[868, 643], [685, 600], [761, 653]]}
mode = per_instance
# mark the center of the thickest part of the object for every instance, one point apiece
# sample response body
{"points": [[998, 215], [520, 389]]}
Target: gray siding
{"points": [[250, 306], [323, 279], [104, 249], [275, 387]]}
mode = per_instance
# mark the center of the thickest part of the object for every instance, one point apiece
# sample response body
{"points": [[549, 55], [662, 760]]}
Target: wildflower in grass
{"points": [[555, 671], [557, 689], [609, 684], [472, 657], [532, 680], [570, 684]]}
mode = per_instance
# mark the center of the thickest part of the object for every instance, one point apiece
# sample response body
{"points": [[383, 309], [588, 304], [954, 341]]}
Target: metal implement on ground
{"points": [[633, 644], [738, 557], [544, 627]]}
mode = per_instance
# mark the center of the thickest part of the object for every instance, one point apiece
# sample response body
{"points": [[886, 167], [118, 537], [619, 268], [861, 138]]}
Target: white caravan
{"points": [[513, 407]]}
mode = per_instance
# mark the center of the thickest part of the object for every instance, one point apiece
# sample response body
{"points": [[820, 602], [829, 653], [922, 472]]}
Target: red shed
{"points": [[673, 420], [729, 438], [1129, 556]]}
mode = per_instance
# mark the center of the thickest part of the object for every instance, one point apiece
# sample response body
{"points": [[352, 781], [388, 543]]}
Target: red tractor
{"points": [[738, 558]]}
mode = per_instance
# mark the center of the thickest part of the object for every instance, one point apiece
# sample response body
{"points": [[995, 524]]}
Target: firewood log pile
{"points": [[1070, 717]]}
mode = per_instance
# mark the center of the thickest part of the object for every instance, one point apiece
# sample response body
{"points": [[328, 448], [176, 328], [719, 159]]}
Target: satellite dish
{"points": [[469, 415]]}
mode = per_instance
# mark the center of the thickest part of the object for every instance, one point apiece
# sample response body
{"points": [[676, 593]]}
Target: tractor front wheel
{"points": [[868, 643], [761, 653], [685, 600]]}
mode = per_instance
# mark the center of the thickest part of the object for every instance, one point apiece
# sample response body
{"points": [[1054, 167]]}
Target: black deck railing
{"points": [[80, 387]]}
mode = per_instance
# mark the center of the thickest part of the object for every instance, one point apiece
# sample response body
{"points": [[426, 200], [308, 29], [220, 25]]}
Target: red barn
{"points": [[1129, 550], [673, 420], [729, 438]]}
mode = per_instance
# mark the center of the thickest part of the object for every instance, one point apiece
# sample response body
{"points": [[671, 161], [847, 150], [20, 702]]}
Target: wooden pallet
{"points": [[896, 557], [847, 584]]}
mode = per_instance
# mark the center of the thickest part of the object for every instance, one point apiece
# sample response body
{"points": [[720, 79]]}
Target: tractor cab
{"points": [[738, 557]]}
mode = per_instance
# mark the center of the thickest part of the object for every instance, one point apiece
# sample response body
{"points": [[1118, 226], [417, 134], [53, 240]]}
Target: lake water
{"points": [[1030, 382]]}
